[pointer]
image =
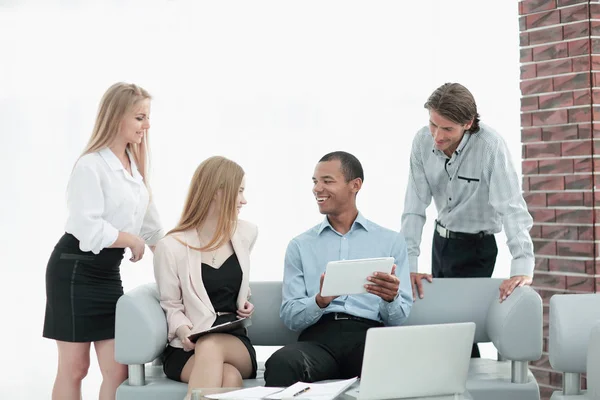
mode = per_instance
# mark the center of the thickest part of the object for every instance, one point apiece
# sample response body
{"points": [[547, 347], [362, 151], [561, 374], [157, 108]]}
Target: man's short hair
{"points": [[351, 167], [455, 102]]}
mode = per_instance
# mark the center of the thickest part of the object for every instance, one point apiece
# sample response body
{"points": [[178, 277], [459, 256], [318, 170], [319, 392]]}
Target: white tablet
{"points": [[349, 276]]}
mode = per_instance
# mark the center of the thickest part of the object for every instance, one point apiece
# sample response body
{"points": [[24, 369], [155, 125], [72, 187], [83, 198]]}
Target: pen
{"points": [[302, 391]]}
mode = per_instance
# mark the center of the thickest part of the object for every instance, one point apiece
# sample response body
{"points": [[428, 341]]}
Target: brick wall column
{"points": [[560, 133]]}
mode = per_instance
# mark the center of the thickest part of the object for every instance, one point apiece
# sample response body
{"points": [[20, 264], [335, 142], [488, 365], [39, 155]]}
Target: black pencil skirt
{"points": [[82, 289]]}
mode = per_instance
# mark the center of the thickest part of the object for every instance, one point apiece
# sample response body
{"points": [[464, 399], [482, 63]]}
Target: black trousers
{"points": [[463, 258], [328, 349]]}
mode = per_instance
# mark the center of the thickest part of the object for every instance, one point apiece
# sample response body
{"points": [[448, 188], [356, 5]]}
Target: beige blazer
{"points": [[178, 273]]}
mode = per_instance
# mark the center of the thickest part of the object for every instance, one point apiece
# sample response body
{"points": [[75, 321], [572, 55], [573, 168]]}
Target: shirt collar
{"points": [[359, 221], [115, 164], [459, 149]]}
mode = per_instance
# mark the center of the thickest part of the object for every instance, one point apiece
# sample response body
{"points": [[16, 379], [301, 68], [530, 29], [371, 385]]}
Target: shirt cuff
{"points": [[522, 266], [413, 263], [152, 240], [313, 310]]}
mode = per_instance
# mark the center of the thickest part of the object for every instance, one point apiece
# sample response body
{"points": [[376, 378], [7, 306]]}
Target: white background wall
{"points": [[273, 85]]}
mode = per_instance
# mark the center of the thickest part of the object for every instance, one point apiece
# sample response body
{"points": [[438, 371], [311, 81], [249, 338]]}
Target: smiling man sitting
{"points": [[334, 329]]}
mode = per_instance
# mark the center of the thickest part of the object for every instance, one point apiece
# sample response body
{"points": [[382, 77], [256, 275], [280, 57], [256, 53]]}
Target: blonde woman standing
{"points": [[109, 209], [202, 271]]}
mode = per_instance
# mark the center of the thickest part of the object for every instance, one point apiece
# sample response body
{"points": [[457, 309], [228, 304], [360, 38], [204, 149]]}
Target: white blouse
{"points": [[103, 199]]}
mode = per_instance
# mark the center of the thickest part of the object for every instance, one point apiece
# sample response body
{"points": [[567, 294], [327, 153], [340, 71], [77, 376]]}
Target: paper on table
{"points": [[318, 391], [258, 392]]}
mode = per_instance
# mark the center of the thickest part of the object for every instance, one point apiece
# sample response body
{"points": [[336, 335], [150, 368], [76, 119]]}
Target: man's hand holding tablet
{"points": [[369, 275]]}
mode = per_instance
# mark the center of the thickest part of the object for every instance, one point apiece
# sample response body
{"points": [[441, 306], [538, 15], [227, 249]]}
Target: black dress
{"points": [[82, 289], [222, 286]]}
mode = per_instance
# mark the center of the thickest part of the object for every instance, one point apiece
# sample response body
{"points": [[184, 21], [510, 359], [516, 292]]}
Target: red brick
{"points": [[563, 265], [536, 86], [596, 79], [543, 215], [582, 165], [522, 23], [579, 182], [580, 64], [556, 379], [531, 135], [531, 6], [585, 232], [556, 100], [541, 376], [543, 247], [581, 147], [596, 112], [541, 264], [543, 150], [596, 164], [579, 47], [523, 39], [573, 31], [526, 119], [528, 71], [595, 28], [570, 82], [584, 131], [581, 114], [594, 10], [542, 19], [597, 203], [596, 145], [574, 216], [554, 67], [575, 249], [529, 103], [546, 183], [562, 3], [573, 14], [581, 284], [595, 45], [548, 35], [561, 166], [554, 117], [564, 232], [529, 167], [582, 97], [564, 199], [535, 199], [550, 51], [542, 280], [595, 62], [526, 55], [525, 182], [596, 96], [557, 133]]}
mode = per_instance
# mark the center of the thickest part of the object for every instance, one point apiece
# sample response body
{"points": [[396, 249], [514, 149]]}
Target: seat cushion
{"points": [[490, 380]]}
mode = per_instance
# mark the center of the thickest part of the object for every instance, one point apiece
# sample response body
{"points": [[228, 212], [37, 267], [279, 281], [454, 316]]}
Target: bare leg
{"points": [[73, 364], [113, 373], [205, 368], [231, 376]]}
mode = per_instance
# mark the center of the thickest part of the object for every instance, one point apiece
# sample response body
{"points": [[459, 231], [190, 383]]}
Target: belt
{"points": [[448, 234], [340, 316]]}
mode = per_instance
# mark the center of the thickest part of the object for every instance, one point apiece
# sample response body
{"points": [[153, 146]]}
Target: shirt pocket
{"points": [[468, 179]]}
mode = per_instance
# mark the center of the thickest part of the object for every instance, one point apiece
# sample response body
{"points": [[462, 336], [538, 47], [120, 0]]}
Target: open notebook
{"points": [[315, 391]]}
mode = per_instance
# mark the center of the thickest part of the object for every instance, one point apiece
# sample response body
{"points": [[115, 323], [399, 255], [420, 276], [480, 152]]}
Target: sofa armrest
{"points": [[140, 326], [572, 317], [516, 325], [593, 364]]}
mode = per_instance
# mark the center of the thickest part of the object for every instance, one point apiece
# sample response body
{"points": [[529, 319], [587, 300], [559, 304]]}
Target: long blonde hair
{"points": [[213, 174], [118, 100]]}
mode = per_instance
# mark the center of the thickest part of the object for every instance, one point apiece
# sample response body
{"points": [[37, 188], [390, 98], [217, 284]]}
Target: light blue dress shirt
{"points": [[305, 261]]}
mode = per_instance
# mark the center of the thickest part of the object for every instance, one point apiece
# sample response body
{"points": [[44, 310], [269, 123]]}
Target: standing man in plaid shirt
{"points": [[466, 167]]}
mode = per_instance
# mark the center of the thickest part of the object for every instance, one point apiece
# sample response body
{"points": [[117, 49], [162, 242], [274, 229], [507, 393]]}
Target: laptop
{"points": [[406, 362]]}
